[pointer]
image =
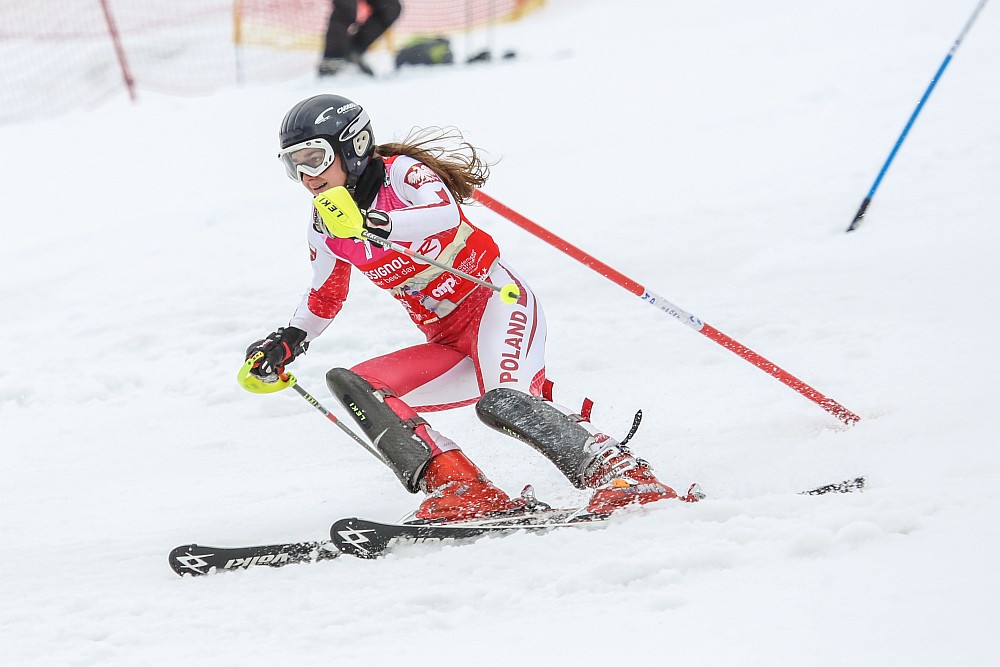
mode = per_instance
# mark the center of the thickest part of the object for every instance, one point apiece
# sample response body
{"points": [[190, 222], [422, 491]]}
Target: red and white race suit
{"points": [[475, 341]]}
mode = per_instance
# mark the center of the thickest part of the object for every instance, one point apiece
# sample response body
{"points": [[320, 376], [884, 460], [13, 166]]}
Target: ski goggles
{"points": [[311, 157]]}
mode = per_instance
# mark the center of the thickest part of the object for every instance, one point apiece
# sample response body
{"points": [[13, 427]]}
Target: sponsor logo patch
{"points": [[432, 248], [420, 174], [511, 357], [391, 271], [268, 559], [323, 117]]}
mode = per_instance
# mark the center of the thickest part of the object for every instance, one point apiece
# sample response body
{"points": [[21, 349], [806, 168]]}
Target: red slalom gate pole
{"points": [[650, 297]]}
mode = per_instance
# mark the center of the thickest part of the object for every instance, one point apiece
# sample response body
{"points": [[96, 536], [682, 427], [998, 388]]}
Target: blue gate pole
{"points": [[899, 142]]}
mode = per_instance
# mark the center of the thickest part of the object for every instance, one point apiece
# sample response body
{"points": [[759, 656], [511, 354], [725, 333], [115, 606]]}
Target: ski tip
{"points": [[197, 560], [846, 486], [189, 559], [359, 537]]}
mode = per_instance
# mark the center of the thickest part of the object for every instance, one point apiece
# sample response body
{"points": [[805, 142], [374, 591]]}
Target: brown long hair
{"points": [[445, 150]]}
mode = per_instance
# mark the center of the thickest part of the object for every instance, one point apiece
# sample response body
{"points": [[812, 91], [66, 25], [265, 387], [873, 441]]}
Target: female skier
{"points": [[479, 349]]}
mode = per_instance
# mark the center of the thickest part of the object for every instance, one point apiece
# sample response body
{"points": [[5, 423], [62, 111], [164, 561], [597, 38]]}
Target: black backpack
{"points": [[425, 51]]}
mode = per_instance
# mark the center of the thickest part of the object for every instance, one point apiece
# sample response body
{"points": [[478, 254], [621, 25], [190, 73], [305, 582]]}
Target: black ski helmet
{"points": [[338, 120]]}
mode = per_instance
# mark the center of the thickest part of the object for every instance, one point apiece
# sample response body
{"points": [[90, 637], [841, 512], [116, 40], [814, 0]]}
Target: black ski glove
{"points": [[279, 348], [378, 223]]}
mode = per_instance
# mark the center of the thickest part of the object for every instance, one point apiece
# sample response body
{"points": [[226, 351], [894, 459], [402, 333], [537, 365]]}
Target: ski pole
{"points": [[920, 105], [285, 380], [509, 293], [329, 415], [650, 297]]}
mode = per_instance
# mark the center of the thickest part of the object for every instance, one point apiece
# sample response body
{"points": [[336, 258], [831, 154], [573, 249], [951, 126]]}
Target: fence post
{"points": [[119, 51]]}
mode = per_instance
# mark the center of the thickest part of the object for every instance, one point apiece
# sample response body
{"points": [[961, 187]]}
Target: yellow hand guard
{"points": [[252, 383], [339, 213]]}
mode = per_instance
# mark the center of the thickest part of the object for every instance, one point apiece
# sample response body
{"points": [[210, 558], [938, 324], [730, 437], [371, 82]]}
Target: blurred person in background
{"points": [[347, 40]]}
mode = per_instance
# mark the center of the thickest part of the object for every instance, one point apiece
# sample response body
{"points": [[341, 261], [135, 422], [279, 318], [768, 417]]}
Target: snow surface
{"points": [[713, 151]]}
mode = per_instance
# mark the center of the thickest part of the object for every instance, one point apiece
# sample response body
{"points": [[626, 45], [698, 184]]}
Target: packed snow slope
{"points": [[714, 152]]}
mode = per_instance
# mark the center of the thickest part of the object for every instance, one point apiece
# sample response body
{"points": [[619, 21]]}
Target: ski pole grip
{"points": [[255, 385]]}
